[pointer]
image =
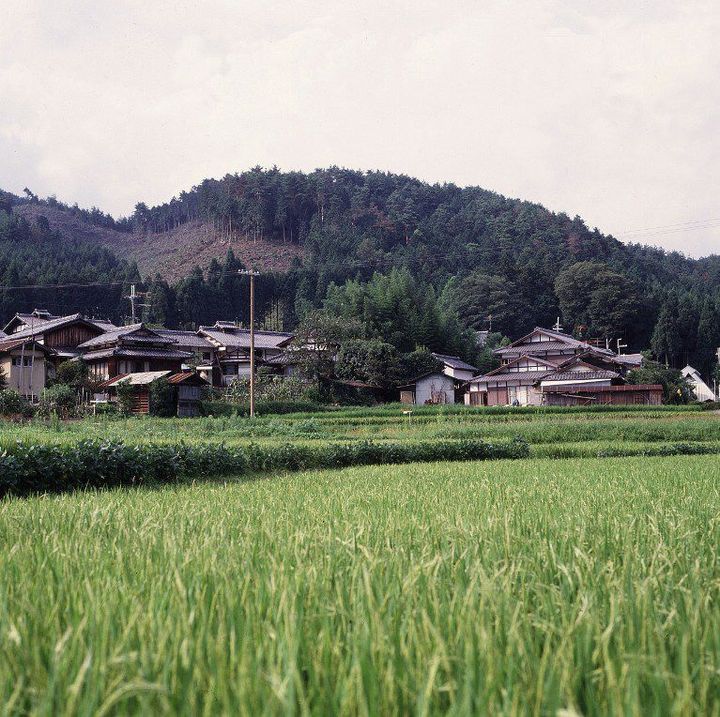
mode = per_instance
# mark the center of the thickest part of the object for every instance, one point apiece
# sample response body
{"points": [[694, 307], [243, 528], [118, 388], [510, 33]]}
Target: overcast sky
{"points": [[609, 110]]}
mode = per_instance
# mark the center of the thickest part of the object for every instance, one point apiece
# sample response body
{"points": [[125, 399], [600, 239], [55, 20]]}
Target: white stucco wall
{"points": [[426, 386]]}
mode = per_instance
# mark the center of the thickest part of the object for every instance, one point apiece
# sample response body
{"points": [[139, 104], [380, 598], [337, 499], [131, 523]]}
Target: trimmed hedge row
{"points": [[45, 468]]}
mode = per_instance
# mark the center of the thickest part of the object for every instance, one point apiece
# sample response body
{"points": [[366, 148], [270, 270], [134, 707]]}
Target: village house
{"points": [[24, 363], [62, 333], [550, 367], [203, 351], [132, 349], [232, 349], [434, 388]]}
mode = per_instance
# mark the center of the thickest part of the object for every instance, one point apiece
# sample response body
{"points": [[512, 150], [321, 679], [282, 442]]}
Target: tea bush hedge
{"points": [[26, 468]]}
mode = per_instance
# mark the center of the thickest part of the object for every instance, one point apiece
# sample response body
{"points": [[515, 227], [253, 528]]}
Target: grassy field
{"points": [[529, 586]]}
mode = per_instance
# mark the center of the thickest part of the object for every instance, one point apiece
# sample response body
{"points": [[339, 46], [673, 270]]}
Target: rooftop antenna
{"points": [[620, 346], [557, 327], [607, 343], [490, 327]]}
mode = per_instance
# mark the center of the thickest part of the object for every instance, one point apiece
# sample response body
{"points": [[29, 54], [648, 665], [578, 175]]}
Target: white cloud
{"points": [[603, 109]]}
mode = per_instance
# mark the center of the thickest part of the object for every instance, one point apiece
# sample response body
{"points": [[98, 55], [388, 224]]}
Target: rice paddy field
{"points": [[571, 582]]}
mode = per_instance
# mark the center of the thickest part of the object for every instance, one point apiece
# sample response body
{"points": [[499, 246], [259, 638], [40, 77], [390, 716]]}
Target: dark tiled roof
{"points": [[185, 338], [527, 377], [283, 359], [535, 348], [454, 362], [581, 375], [42, 326], [122, 352], [240, 338], [122, 332]]}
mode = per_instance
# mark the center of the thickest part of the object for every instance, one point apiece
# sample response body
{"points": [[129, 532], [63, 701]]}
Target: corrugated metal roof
{"points": [[185, 376], [136, 379]]}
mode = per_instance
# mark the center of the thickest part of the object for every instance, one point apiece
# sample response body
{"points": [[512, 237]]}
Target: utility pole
{"points": [[134, 296], [252, 274]]}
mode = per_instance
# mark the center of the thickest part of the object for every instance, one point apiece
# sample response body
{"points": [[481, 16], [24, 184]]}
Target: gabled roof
{"points": [[556, 341], [185, 338], [38, 327], [439, 374], [236, 338], [501, 370], [136, 379], [188, 377], [135, 332], [454, 362], [11, 342]]}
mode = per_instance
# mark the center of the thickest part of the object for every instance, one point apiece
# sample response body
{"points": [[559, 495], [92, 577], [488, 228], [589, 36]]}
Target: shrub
{"points": [[52, 468], [125, 393], [13, 404], [60, 399], [162, 398]]}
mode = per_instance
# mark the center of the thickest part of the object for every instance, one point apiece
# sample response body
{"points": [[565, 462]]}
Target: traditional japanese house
{"points": [[549, 367], [25, 363], [513, 383], [132, 349], [63, 334], [232, 348], [547, 344], [202, 350]]}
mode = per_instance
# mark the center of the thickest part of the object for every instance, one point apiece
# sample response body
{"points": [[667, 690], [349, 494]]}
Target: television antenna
{"points": [[620, 346], [557, 326], [134, 297]]}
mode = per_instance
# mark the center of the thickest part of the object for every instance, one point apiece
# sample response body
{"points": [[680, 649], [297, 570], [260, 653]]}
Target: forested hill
{"points": [[478, 254]]}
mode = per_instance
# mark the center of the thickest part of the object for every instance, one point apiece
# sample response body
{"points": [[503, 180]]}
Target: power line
{"points": [[669, 228], [61, 286]]}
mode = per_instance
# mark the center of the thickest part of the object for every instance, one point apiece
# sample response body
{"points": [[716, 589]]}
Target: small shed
{"points": [[430, 388], [190, 387]]}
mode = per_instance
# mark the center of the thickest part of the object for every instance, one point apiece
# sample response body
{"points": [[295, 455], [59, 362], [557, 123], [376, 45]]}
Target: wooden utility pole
{"points": [[252, 274]]}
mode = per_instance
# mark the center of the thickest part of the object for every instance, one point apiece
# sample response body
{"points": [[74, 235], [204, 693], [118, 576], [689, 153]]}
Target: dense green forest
{"points": [[36, 255], [414, 263]]}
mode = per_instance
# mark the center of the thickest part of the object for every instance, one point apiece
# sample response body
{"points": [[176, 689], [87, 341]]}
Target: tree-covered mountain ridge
{"points": [[492, 260]]}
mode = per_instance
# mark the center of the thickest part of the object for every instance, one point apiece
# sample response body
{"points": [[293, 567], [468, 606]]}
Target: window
{"points": [[22, 361], [206, 355]]}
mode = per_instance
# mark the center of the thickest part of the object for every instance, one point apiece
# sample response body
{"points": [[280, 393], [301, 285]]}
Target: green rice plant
{"points": [[505, 587]]}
